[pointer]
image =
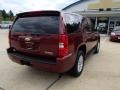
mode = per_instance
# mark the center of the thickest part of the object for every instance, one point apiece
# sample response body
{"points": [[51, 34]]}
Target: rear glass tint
{"points": [[72, 22], [39, 25]]}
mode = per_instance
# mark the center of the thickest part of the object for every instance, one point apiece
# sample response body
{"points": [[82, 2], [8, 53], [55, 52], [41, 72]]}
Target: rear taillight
{"points": [[63, 45]]}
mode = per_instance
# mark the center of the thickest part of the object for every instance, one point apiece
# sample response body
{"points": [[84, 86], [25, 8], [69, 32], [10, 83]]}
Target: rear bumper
{"points": [[58, 65]]}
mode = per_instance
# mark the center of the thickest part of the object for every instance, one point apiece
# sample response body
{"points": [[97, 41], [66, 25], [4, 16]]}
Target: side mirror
{"points": [[10, 26]]}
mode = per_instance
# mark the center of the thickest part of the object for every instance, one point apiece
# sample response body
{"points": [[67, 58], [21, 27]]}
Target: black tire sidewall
{"points": [[96, 48], [75, 71]]}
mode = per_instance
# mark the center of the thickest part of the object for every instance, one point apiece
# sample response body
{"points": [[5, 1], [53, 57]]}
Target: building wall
{"points": [[81, 6], [94, 4], [105, 4]]}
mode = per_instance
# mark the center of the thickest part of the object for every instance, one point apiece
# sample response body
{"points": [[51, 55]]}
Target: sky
{"points": [[18, 6]]}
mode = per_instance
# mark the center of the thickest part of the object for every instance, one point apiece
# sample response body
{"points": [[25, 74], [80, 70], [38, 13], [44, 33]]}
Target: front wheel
{"points": [[79, 64], [97, 48]]}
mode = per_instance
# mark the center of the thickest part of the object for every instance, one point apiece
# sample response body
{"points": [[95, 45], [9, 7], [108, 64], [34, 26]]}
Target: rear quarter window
{"points": [[39, 24], [87, 25], [72, 22]]}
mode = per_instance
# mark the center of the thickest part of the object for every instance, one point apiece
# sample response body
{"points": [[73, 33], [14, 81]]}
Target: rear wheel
{"points": [[97, 48], [79, 64]]}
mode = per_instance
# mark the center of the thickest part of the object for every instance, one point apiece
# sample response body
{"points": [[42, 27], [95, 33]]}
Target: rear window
{"points": [[39, 25]]}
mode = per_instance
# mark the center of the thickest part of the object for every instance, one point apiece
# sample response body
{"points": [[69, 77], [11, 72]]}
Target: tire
{"points": [[111, 40], [79, 64], [97, 48]]}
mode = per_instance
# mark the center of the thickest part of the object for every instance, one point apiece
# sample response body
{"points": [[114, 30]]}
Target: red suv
{"points": [[52, 41]]}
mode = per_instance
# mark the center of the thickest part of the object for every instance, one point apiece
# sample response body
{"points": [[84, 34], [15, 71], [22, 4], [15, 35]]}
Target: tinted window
{"points": [[72, 22], [41, 24], [84, 23], [91, 25], [87, 24]]}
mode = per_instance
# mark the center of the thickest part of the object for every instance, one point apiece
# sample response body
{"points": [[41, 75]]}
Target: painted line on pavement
{"points": [[103, 41]]}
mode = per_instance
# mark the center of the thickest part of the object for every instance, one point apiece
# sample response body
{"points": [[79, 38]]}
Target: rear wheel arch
{"points": [[79, 63], [83, 48], [80, 48]]}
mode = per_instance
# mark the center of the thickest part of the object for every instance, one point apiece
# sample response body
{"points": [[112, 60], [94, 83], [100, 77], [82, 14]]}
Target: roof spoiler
{"points": [[36, 13]]}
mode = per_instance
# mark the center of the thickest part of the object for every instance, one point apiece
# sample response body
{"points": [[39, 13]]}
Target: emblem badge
{"points": [[27, 39]]}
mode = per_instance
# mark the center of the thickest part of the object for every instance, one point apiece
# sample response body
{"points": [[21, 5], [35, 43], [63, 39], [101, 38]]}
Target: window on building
{"points": [[118, 23], [111, 24]]}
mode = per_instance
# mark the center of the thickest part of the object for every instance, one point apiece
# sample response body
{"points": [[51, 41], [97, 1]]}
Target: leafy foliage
{"points": [[4, 16]]}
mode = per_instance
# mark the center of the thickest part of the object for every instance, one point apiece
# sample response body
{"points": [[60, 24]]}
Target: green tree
{"points": [[11, 15], [0, 16], [5, 15]]}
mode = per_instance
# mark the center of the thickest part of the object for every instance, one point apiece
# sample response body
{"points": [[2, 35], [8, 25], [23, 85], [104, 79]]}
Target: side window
{"points": [[90, 25], [93, 25], [87, 25], [84, 23], [72, 23]]}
